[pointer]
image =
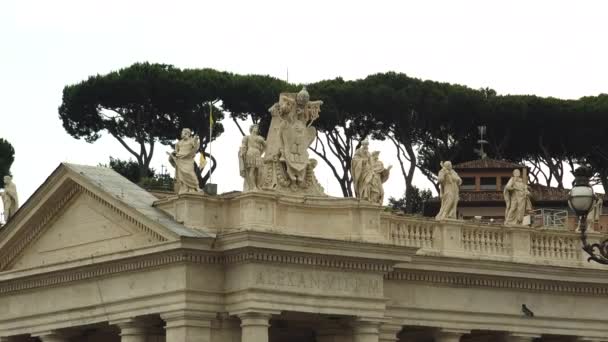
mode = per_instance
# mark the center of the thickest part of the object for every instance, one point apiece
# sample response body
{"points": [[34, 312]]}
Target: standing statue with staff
{"points": [[183, 161], [250, 159]]}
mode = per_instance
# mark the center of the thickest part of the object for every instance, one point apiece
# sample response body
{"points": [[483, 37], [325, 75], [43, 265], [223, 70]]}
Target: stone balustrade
{"points": [[469, 239], [355, 220]]}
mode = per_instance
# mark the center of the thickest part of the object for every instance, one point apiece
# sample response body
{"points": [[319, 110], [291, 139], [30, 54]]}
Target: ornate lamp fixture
{"points": [[580, 200]]}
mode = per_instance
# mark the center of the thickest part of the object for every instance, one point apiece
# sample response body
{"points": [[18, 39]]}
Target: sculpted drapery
{"points": [[183, 161], [516, 199], [250, 159], [359, 165], [9, 198], [369, 174], [449, 186]]}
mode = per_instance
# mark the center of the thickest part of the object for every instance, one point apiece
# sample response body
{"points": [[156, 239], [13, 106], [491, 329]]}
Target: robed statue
{"points": [[595, 212], [250, 159], [449, 191], [183, 161], [517, 199], [359, 164], [369, 174], [9, 198]]}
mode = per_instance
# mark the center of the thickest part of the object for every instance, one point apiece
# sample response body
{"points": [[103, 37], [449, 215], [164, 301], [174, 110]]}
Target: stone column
{"points": [[366, 331], [388, 332], [516, 337], [254, 326], [52, 336], [328, 334], [588, 339], [449, 335], [188, 326], [131, 330], [225, 329]]}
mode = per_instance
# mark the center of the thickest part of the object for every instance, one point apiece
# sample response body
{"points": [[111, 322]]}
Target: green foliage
{"points": [[145, 102], [412, 202], [151, 180], [128, 169], [158, 182], [7, 157], [427, 121]]}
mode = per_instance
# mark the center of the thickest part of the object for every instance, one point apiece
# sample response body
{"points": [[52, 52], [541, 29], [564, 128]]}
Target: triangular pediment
{"points": [[81, 212], [84, 228]]}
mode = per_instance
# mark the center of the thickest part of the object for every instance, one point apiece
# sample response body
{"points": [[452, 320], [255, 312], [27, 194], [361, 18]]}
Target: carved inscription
{"points": [[319, 281]]}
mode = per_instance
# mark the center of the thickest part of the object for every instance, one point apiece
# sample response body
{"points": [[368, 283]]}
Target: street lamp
{"points": [[580, 200]]}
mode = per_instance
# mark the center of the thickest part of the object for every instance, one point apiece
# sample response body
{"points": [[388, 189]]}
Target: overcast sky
{"points": [[547, 48]]}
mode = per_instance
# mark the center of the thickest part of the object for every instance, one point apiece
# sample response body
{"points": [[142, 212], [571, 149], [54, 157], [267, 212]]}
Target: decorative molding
{"points": [[42, 220], [180, 256], [101, 270], [34, 229], [469, 280], [326, 261], [158, 237]]}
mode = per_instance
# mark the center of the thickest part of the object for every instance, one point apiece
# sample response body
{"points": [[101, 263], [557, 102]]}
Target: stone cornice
{"points": [[56, 276], [108, 268], [508, 268], [256, 255], [481, 281], [322, 202], [315, 245]]}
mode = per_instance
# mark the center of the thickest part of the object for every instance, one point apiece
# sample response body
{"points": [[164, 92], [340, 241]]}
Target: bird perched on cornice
{"points": [[526, 311]]}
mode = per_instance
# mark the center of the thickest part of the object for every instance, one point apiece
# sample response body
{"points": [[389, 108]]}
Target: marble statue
{"points": [[287, 166], [183, 161], [449, 187], [250, 159], [373, 190], [594, 213], [9, 198], [359, 164], [516, 196]]}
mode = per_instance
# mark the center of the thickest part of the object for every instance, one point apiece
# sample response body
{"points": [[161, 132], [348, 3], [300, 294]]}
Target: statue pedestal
{"points": [[315, 216]]}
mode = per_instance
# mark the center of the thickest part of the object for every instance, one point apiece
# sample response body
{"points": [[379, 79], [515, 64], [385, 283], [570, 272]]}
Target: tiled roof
{"points": [[539, 193], [132, 196], [547, 193], [487, 164]]}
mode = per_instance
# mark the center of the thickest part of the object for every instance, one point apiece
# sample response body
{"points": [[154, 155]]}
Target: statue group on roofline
{"points": [[9, 198], [369, 174], [281, 162]]}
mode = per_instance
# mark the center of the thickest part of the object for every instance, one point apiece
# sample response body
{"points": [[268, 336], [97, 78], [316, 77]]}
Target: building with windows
{"points": [[482, 197], [93, 257]]}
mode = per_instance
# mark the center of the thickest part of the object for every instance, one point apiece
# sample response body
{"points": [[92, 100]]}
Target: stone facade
{"points": [[92, 257]]}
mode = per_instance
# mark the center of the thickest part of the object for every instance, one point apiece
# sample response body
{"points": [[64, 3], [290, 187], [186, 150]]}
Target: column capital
{"points": [[587, 339], [193, 318], [254, 325], [521, 337], [131, 326], [51, 336], [389, 331], [449, 334], [365, 327], [254, 318]]}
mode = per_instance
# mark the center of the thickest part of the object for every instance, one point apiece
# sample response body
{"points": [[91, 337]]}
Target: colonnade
{"points": [[196, 326]]}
